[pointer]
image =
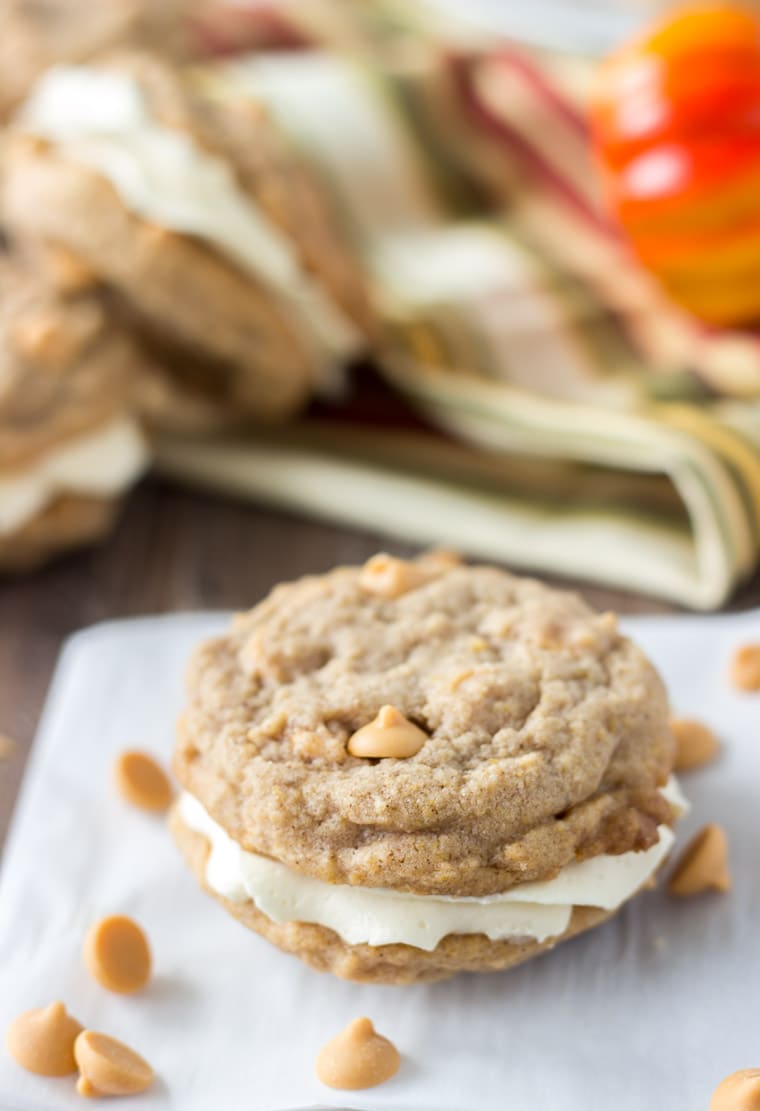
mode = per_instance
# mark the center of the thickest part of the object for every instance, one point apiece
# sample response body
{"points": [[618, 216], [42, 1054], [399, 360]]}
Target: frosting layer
{"points": [[99, 464], [377, 916]]}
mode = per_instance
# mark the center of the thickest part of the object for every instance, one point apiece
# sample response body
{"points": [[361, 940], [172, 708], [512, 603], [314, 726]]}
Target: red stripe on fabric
{"points": [[460, 69], [534, 76]]}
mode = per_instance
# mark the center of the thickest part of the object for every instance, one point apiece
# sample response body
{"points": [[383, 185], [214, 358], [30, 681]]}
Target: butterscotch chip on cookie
{"points": [[486, 791]]}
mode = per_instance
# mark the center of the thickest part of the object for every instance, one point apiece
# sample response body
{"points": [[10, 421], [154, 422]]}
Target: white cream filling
{"points": [[376, 916], [100, 120], [98, 464]]}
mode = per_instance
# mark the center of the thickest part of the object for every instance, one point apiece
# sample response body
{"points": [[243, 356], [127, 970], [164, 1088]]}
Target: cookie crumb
{"points": [[703, 864], [357, 1058]]}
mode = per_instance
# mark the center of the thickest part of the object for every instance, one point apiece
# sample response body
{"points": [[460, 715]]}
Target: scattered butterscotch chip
{"points": [[738, 1092], [695, 744], [745, 668], [703, 865], [42, 1040], [117, 954], [142, 781], [8, 747], [358, 1057], [109, 1068], [390, 735]]}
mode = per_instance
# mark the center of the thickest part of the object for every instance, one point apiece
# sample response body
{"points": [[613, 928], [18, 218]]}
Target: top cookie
{"points": [[547, 731]]}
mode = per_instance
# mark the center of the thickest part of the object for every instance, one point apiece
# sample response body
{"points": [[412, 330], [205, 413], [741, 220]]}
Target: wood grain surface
{"points": [[174, 550]]}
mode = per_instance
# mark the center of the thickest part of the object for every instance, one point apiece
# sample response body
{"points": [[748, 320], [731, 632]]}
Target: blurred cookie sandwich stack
{"points": [[70, 444], [164, 205]]}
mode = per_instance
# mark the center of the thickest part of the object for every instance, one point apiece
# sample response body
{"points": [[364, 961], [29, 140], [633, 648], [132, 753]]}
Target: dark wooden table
{"points": [[172, 550]]}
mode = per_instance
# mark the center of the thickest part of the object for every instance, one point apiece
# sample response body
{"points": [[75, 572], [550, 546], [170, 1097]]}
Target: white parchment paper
{"points": [[647, 1013]]}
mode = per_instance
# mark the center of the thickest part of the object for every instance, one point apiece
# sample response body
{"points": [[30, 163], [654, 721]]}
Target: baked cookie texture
{"points": [[181, 292], [67, 377], [548, 743]]}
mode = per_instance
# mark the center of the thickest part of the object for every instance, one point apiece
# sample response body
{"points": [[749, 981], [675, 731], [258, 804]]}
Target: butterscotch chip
{"points": [[142, 781], [390, 577], [695, 744], [117, 954], [358, 1057], [440, 560], [703, 865], [390, 735], [108, 1067], [745, 668], [738, 1092], [42, 1040], [8, 747]]}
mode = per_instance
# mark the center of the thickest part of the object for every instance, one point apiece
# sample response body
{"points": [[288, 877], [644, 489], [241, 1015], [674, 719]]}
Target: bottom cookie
{"points": [[70, 521], [325, 951]]}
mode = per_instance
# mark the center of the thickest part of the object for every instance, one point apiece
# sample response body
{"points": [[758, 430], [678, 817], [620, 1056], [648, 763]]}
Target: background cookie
{"points": [[69, 442], [211, 249]]}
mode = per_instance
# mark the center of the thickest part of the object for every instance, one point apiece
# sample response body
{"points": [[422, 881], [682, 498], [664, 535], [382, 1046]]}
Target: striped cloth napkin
{"points": [[539, 402]]}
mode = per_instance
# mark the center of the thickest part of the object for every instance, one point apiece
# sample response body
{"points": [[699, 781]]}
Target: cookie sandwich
{"points": [[204, 228], [70, 444], [409, 769]]}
